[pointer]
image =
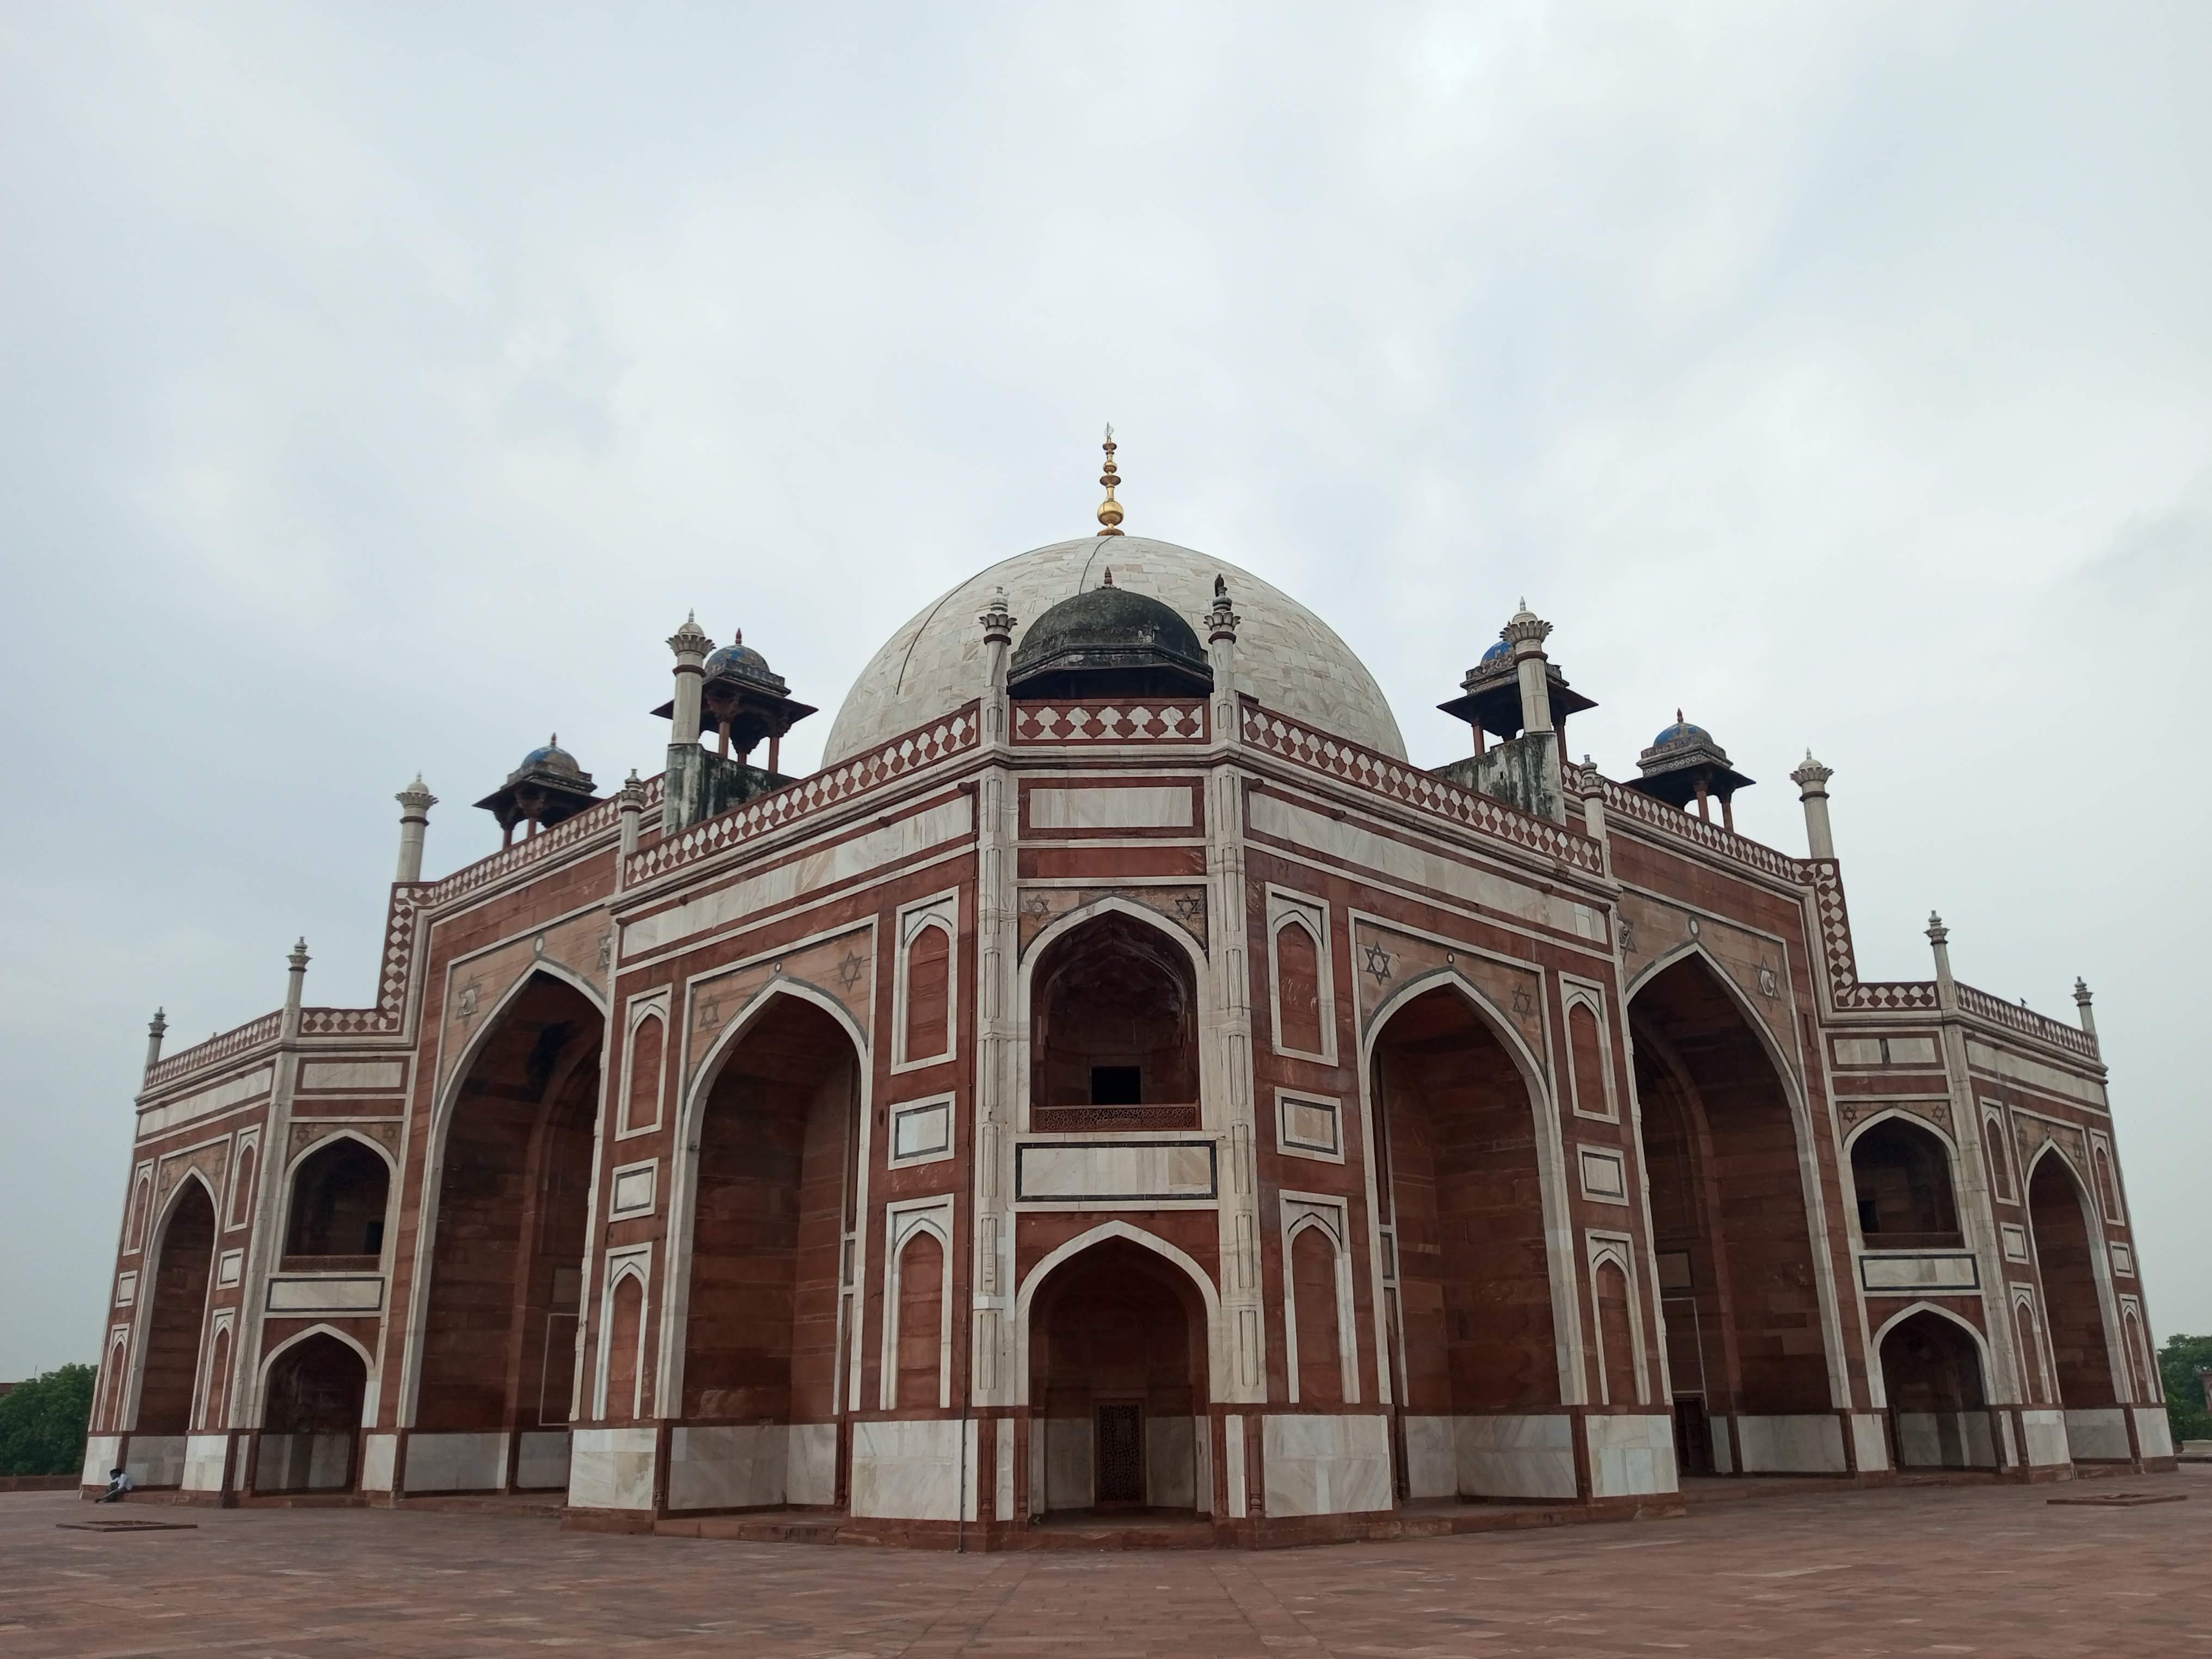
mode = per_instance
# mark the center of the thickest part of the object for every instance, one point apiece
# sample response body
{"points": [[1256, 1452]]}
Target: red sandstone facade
{"points": [[1124, 1104]]}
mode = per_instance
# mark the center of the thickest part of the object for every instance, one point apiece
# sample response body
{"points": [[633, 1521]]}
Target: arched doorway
{"points": [[169, 1372], [1118, 1385], [2060, 1216], [768, 1314], [1746, 1337], [336, 1216], [1901, 1178], [498, 1333], [1466, 1283], [1931, 1372], [1114, 1029], [311, 1417]]}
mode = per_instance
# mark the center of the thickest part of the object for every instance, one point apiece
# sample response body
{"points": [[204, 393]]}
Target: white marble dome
{"points": [[1287, 657]]}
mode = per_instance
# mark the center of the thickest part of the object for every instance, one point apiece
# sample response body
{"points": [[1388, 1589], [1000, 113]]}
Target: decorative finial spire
{"points": [[1109, 510], [1678, 714], [1221, 590], [1107, 580]]}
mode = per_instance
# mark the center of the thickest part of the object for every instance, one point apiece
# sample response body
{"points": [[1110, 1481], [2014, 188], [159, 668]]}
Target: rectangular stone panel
{"points": [[319, 1295], [1906, 1274], [232, 1093], [1111, 808], [353, 1073], [1120, 1171]]}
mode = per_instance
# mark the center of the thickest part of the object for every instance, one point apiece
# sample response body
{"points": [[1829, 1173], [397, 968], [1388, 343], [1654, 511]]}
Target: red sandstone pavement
{"points": [[1994, 1570]]}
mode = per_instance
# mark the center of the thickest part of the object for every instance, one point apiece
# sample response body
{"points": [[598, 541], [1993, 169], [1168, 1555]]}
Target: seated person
{"points": [[118, 1482]]}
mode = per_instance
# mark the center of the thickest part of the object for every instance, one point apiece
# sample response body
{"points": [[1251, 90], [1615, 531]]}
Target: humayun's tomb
{"points": [[1119, 1086]]}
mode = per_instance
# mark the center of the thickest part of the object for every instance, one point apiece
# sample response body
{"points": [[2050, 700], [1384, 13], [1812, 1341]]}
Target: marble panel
{"points": [[1122, 808], [205, 1458], [238, 1090], [894, 843], [728, 1466], [1723, 1446], [610, 1469], [1317, 1465], [1801, 1443], [911, 1470], [541, 1462], [455, 1462], [100, 1454], [155, 1460], [2154, 1430], [1068, 1463], [1912, 1051], [2099, 1433], [1170, 1476], [1858, 1051], [352, 1073], [2045, 1430], [920, 1131], [1202, 1442], [1415, 865], [1905, 1274], [1431, 1463], [2034, 1073], [379, 1460], [1002, 1491], [810, 1464], [1515, 1455], [1128, 1171], [1240, 1501], [1631, 1456], [1871, 1445], [315, 1293]]}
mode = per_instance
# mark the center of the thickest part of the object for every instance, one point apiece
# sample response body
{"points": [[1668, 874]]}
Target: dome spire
{"points": [[1109, 510]]}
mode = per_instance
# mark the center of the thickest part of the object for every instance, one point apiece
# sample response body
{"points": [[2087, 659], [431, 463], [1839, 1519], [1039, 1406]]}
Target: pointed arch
{"points": [[1807, 1143], [435, 1199], [2080, 1308], [674, 1385], [1560, 1268], [1981, 1342], [170, 1293], [1037, 1277], [319, 1328], [1136, 1055]]}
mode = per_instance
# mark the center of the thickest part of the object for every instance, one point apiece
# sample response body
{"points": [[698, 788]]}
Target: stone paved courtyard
{"points": [[1974, 1569]]}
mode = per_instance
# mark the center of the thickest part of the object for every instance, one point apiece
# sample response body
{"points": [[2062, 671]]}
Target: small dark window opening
{"points": [[1868, 1223], [1117, 1086]]}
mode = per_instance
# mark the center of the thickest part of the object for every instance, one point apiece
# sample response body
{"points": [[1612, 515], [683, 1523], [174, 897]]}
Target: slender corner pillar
{"points": [[1812, 781], [1226, 1062], [415, 803], [156, 1028], [1526, 632], [2082, 1000], [1939, 941], [685, 790], [632, 809], [993, 1387]]}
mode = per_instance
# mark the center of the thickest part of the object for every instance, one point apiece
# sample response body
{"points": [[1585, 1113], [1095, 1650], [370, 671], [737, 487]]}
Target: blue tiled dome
{"points": [[551, 758], [1682, 732], [1498, 652], [737, 656]]}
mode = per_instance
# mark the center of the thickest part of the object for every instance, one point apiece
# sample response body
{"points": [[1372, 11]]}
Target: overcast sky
{"points": [[382, 384]]}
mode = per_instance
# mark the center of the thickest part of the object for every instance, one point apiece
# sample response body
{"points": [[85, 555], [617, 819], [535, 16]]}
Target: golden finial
{"points": [[1109, 510]]}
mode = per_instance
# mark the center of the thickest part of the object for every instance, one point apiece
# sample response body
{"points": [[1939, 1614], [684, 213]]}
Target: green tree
{"points": [[2179, 1363], [43, 1422]]}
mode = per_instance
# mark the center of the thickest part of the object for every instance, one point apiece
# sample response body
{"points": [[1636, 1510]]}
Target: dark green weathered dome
{"points": [[1109, 642]]}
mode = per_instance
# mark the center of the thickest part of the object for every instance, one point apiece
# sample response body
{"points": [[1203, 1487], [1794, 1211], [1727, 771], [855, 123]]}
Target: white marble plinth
{"points": [[155, 1460], [541, 1462], [610, 1469], [1515, 1455], [1631, 1456], [1170, 1472], [1431, 1460], [2154, 1430], [2045, 1430], [912, 1471], [100, 1456], [1068, 1462], [1800, 1444], [2099, 1433], [1317, 1465], [379, 1460], [456, 1462], [1870, 1442], [728, 1466]]}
